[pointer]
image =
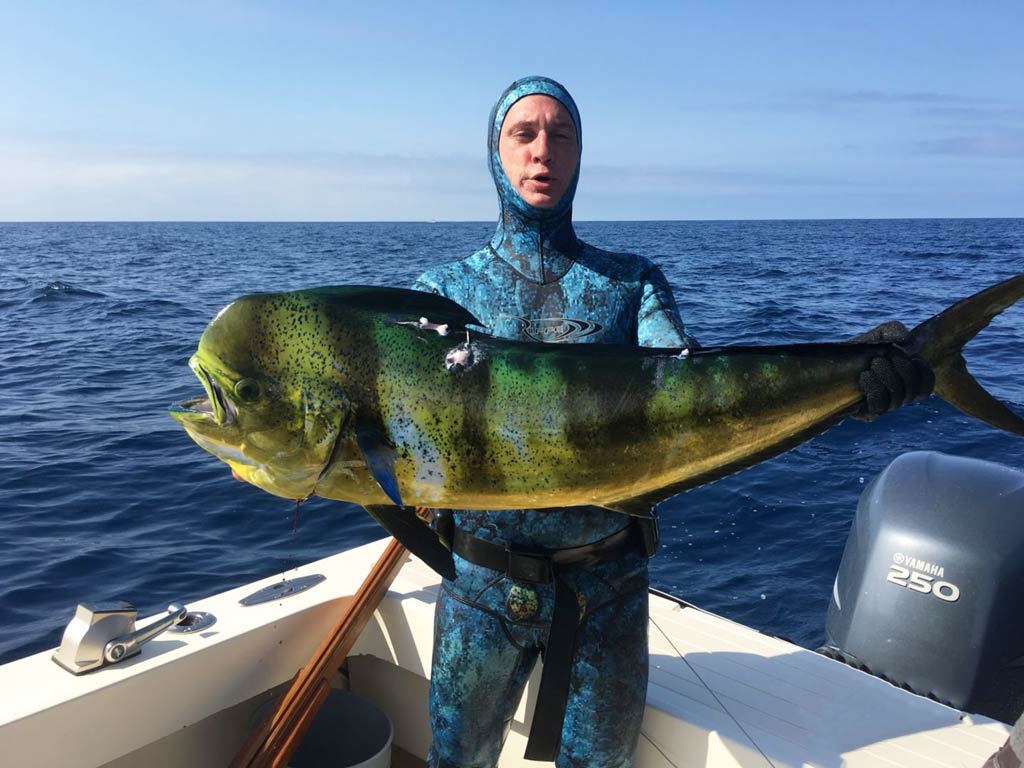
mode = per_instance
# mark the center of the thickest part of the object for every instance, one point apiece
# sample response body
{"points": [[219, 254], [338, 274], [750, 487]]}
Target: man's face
{"points": [[538, 149]]}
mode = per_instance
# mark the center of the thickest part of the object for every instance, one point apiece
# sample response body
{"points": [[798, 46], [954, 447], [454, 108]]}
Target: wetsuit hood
{"points": [[539, 243]]}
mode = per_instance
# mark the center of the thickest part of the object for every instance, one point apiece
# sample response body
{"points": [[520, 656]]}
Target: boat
{"points": [[720, 694]]}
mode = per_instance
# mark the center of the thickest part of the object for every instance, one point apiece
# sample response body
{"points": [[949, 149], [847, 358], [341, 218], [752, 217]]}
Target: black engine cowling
{"points": [[930, 591]]}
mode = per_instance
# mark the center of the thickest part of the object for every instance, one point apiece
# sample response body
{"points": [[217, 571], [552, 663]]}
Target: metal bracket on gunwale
{"points": [[282, 589], [103, 634]]}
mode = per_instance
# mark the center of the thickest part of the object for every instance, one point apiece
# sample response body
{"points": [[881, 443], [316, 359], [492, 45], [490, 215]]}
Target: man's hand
{"points": [[894, 378]]}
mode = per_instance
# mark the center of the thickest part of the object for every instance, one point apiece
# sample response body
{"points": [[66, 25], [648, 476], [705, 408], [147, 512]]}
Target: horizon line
{"points": [[493, 221]]}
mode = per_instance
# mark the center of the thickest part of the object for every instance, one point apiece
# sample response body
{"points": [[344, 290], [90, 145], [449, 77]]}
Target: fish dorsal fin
{"points": [[402, 304], [379, 455], [416, 536]]}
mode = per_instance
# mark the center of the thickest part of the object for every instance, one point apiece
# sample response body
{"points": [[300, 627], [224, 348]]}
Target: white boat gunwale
{"points": [[720, 693]]}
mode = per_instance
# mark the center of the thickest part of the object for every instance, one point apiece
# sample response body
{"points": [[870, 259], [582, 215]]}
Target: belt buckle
{"points": [[528, 567]]}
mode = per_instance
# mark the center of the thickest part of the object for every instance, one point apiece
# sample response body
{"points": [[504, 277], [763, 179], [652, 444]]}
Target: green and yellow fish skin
{"points": [[348, 394]]}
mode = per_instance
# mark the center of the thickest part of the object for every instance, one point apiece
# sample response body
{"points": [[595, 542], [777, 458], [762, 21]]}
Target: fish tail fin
{"points": [[940, 341]]}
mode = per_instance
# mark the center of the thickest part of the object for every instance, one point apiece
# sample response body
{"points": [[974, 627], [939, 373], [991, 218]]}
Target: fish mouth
{"points": [[215, 406]]}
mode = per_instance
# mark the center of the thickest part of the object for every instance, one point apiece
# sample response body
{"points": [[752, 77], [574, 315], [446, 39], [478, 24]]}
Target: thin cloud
{"points": [[868, 96], [667, 179], [68, 182], [129, 183], [1006, 114], [76, 183], [932, 104], [997, 146]]}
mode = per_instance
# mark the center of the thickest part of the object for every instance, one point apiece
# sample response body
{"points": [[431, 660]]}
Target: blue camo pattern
{"points": [[536, 280], [483, 656]]}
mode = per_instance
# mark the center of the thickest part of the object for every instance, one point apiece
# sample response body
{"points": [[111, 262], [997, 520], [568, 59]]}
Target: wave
{"points": [[151, 307], [58, 289]]}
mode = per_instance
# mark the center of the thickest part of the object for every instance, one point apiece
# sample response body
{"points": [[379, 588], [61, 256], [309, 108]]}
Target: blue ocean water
{"points": [[103, 496]]}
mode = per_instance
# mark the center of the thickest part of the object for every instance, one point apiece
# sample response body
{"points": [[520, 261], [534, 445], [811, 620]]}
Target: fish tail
{"points": [[940, 341]]}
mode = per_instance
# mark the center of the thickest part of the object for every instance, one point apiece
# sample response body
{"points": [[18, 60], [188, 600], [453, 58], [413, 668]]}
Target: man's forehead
{"points": [[535, 107]]}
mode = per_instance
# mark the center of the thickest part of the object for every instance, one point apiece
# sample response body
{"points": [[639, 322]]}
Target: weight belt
{"points": [[542, 566]]}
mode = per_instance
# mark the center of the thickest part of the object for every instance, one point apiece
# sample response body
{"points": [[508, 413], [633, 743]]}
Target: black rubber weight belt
{"points": [[541, 567]]}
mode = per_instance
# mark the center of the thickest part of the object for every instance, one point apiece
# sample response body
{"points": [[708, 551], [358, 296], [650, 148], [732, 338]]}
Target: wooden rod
{"points": [[275, 740]]}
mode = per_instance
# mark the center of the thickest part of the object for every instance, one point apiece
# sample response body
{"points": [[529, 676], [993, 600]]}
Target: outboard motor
{"points": [[930, 591]]}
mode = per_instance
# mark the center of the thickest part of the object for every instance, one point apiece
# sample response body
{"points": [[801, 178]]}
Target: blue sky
{"points": [[336, 111]]}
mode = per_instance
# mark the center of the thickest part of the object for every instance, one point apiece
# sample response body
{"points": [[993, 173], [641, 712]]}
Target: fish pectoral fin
{"points": [[416, 536], [379, 454]]}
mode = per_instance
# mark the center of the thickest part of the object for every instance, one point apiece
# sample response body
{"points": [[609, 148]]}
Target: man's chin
{"points": [[541, 200]]}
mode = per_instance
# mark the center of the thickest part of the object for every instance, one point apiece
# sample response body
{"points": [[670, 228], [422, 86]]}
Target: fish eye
{"points": [[248, 389]]}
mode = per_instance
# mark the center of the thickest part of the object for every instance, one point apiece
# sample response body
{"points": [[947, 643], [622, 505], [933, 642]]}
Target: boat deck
{"points": [[720, 694]]}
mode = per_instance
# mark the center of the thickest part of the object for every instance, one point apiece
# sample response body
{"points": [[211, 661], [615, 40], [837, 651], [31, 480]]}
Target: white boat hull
{"points": [[720, 694]]}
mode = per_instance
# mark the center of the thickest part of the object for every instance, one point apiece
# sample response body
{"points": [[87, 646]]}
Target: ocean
{"points": [[103, 496]]}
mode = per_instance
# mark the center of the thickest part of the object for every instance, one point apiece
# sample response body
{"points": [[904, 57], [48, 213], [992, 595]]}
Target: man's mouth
{"points": [[542, 182]]}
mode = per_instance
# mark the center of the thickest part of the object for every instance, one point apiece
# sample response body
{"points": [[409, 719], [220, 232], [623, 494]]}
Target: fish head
{"points": [[272, 408]]}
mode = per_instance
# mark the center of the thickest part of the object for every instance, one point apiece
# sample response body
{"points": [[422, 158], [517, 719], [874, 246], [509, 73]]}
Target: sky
{"points": [[338, 111]]}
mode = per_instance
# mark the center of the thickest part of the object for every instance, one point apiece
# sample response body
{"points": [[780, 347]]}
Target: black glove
{"points": [[893, 378]]}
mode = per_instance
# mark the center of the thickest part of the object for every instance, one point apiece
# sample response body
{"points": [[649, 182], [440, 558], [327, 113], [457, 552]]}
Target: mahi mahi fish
{"points": [[388, 397]]}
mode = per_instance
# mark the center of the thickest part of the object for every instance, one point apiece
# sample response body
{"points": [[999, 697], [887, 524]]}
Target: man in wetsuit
{"points": [[570, 584], [1011, 754]]}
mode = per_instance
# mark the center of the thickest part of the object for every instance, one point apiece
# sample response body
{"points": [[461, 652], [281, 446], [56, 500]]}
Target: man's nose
{"points": [[541, 148]]}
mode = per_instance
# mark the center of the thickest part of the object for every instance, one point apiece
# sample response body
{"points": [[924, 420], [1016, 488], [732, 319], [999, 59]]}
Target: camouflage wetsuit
{"points": [[1011, 755], [536, 281]]}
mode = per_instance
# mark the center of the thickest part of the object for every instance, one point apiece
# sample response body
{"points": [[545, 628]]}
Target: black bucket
{"points": [[348, 732]]}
